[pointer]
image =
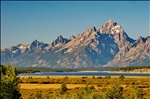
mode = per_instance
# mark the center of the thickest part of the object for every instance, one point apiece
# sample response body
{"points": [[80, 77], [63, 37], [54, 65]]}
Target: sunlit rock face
{"points": [[108, 45]]}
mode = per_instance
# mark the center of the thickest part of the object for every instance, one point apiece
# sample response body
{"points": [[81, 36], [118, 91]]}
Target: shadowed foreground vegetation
{"points": [[9, 82]]}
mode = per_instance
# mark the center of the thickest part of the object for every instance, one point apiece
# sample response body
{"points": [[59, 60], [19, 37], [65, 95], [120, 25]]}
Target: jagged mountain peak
{"points": [[88, 33], [35, 40], [140, 40], [60, 37], [92, 29], [108, 45], [81, 40], [111, 27], [57, 43], [110, 21], [34, 43], [133, 54], [148, 38]]}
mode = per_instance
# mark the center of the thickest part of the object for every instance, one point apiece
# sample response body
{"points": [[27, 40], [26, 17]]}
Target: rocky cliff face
{"points": [[88, 49], [133, 54], [121, 38], [107, 46]]}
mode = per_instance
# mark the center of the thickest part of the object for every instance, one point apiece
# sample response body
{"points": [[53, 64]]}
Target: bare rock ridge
{"points": [[133, 54], [72, 37], [107, 46], [111, 27], [108, 27], [58, 43]]}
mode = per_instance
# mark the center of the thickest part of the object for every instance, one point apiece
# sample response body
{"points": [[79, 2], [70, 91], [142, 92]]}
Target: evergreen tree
{"points": [[63, 88], [9, 83], [121, 77]]}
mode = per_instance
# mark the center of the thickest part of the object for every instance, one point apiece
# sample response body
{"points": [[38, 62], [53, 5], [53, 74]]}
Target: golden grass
{"points": [[58, 86], [70, 86], [28, 88], [48, 86]]}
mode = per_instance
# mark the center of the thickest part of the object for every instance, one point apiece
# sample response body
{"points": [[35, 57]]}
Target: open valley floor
{"points": [[85, 87]]}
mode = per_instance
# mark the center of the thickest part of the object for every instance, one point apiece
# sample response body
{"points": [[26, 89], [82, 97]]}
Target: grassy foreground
{"points": [[87, 87]]}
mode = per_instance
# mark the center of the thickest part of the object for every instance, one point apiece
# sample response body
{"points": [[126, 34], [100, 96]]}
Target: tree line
{"points": [[131, 68]]}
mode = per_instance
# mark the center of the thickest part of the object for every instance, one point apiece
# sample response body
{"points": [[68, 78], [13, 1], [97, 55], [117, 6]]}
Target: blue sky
{"points": [[25, 21]]}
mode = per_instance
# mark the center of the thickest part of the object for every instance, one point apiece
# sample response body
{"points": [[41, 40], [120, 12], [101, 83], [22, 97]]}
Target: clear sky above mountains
{"points": [[24, 21]]}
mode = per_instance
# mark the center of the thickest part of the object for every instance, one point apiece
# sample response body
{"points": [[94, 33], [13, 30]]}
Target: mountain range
{"points": [[108, 46]]}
